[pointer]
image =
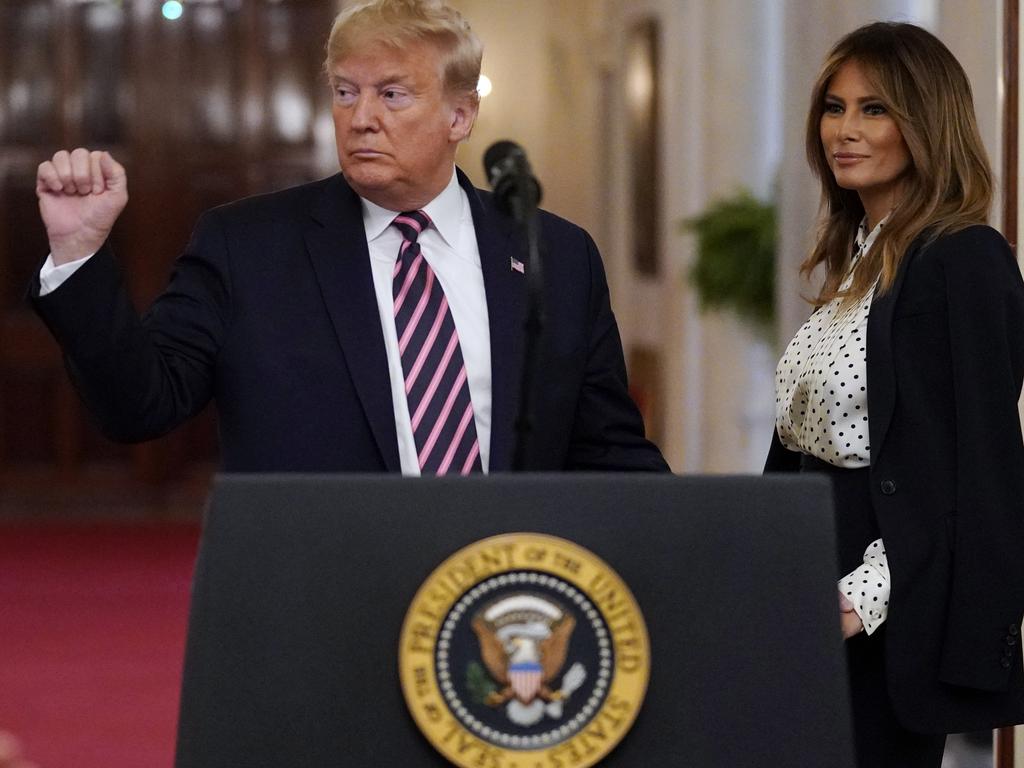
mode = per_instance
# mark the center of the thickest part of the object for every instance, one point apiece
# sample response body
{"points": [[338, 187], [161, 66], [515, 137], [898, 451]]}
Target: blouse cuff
{"points": [[867, 587]]}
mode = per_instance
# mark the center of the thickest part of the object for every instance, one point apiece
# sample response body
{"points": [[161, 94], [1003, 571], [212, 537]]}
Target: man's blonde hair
{"points": [[399, 22]]}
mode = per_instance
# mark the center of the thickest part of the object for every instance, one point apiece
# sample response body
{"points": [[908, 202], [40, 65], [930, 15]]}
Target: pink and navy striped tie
{"points": [[435, 373]]}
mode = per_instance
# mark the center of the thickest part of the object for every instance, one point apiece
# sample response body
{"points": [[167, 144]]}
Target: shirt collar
{"points": [[445, 211], [866, 239]]}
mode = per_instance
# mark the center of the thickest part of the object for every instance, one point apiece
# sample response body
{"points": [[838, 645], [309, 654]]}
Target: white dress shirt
{"points": [[51, 277], [450, 247]]}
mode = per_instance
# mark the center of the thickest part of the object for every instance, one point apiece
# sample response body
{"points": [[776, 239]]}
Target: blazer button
{"points": [[1014, 629], [888, 487], [1006, 663]]}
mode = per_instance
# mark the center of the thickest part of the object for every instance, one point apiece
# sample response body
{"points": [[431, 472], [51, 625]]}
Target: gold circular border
{"points": [[494, 556]]}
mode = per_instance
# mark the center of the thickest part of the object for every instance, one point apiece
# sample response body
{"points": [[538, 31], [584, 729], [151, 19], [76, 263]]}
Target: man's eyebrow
{"points": [[397, 78]]}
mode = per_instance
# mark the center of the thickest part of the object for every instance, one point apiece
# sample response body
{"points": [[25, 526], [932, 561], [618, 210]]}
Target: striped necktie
{"points": [[435, 373]]}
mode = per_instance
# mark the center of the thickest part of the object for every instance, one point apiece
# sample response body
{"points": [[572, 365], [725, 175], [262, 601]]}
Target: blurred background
{"points": [[648, 122]]}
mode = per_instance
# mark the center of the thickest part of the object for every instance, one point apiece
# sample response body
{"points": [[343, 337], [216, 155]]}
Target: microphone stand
{"points": [[533, 328]]}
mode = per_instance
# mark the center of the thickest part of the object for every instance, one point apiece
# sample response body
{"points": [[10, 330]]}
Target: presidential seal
{"points": [[524, 651]]}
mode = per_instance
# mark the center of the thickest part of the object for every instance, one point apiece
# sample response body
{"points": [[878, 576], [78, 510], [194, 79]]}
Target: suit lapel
{"points": [[505, 288], [881, 369], [336, 242]]}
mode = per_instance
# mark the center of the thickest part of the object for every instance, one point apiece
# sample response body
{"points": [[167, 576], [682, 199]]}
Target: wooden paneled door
{"points": [[224, 101]]}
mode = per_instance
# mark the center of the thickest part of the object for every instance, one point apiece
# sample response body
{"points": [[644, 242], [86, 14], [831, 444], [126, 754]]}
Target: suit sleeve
{"points": [[985, 297], [780, 458], [141, 377], [608, 431]]}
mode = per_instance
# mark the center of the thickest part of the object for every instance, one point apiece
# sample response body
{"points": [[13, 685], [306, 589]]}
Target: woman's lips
{"points": [[847, 158]]}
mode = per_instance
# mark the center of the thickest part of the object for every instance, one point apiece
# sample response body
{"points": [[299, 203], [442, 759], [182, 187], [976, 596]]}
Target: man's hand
{"points": [[849, 621], [81, 194]]}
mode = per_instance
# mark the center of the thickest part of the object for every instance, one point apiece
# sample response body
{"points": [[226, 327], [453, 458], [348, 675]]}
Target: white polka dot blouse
{"points": [[821, 399]]}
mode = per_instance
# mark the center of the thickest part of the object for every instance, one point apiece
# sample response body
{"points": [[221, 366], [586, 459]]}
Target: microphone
{"points": [[516, 190], [517, 194]]}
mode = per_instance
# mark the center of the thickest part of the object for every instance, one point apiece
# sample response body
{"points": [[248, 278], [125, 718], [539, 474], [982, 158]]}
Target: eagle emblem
{"points": [[524, 641]]}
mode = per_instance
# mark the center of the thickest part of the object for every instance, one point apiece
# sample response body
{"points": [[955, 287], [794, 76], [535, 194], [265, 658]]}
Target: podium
{"points": [[302, 585]]}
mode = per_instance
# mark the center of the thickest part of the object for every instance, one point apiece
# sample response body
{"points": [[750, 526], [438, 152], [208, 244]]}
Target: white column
{"points": [[743, 141], [973, 31]]}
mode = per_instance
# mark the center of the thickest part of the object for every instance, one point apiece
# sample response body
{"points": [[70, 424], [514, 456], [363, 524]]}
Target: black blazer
{"points": [[271, 311], [945, 365]]}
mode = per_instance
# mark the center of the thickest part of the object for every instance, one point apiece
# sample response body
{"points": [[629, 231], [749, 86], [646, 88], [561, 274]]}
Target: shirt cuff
{"points": [[52, 277], [867, 587]]}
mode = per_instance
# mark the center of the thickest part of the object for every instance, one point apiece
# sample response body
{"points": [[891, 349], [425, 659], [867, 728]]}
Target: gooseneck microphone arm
{"points": [[517, 193]]}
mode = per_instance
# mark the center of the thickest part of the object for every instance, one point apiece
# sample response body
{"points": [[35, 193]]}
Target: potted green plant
{"points": [[735, 265]]}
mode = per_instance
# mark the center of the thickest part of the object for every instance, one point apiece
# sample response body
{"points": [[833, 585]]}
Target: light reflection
{"points": [[104, 18], [172, 10], [484, 86], [639, 77], [292, 113], [208, 18], [19, 96], [218, 113]]}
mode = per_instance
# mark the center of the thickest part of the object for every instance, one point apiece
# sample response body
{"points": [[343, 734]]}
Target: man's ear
{"points": [[463, 116]]}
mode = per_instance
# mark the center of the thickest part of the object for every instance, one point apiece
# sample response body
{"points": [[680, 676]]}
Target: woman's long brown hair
{"points": [[949, 184]]}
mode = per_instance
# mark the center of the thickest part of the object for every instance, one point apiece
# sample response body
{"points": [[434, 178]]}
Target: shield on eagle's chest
{"points": [[525, 679]]}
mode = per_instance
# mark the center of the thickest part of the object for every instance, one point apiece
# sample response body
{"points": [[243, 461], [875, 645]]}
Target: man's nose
{"points": [[365, 113]]}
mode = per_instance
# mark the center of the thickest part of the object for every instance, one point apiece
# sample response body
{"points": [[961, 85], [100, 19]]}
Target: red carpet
{"points": [[92, 632]]}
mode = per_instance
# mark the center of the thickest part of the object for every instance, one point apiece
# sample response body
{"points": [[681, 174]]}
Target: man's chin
{"points": [[367, 184], [385, 193]]}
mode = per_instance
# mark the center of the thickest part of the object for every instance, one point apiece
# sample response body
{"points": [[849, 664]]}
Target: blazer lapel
{"points": [[336, 242], [881, 370], [498, 241]]}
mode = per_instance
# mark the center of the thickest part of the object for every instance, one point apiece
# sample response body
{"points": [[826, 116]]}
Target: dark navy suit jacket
{"points": [[271, 312], [945, 366]]}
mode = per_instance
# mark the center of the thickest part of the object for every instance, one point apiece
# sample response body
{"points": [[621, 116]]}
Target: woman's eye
{"points": [[832, 108], [874, 109]]}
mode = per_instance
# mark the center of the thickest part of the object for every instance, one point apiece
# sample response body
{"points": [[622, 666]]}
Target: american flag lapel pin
{"points": [[517, 266]]}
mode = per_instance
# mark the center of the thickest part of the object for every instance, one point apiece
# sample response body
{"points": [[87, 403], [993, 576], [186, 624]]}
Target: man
{"points": [[335, 333]]}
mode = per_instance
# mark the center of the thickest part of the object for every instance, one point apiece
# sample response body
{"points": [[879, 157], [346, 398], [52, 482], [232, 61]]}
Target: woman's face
{"points": [[862, 142]]}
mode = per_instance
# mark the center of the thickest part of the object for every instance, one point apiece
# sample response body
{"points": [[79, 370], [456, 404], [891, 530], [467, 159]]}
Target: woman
{"points": [[903, 388]]}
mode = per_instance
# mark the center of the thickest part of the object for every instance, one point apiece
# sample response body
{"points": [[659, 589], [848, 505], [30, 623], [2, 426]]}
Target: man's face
{"points": [[395, 127]]}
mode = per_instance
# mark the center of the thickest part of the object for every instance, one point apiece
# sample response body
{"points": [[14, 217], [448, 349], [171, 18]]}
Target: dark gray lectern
{"points": [[302, 584]]}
